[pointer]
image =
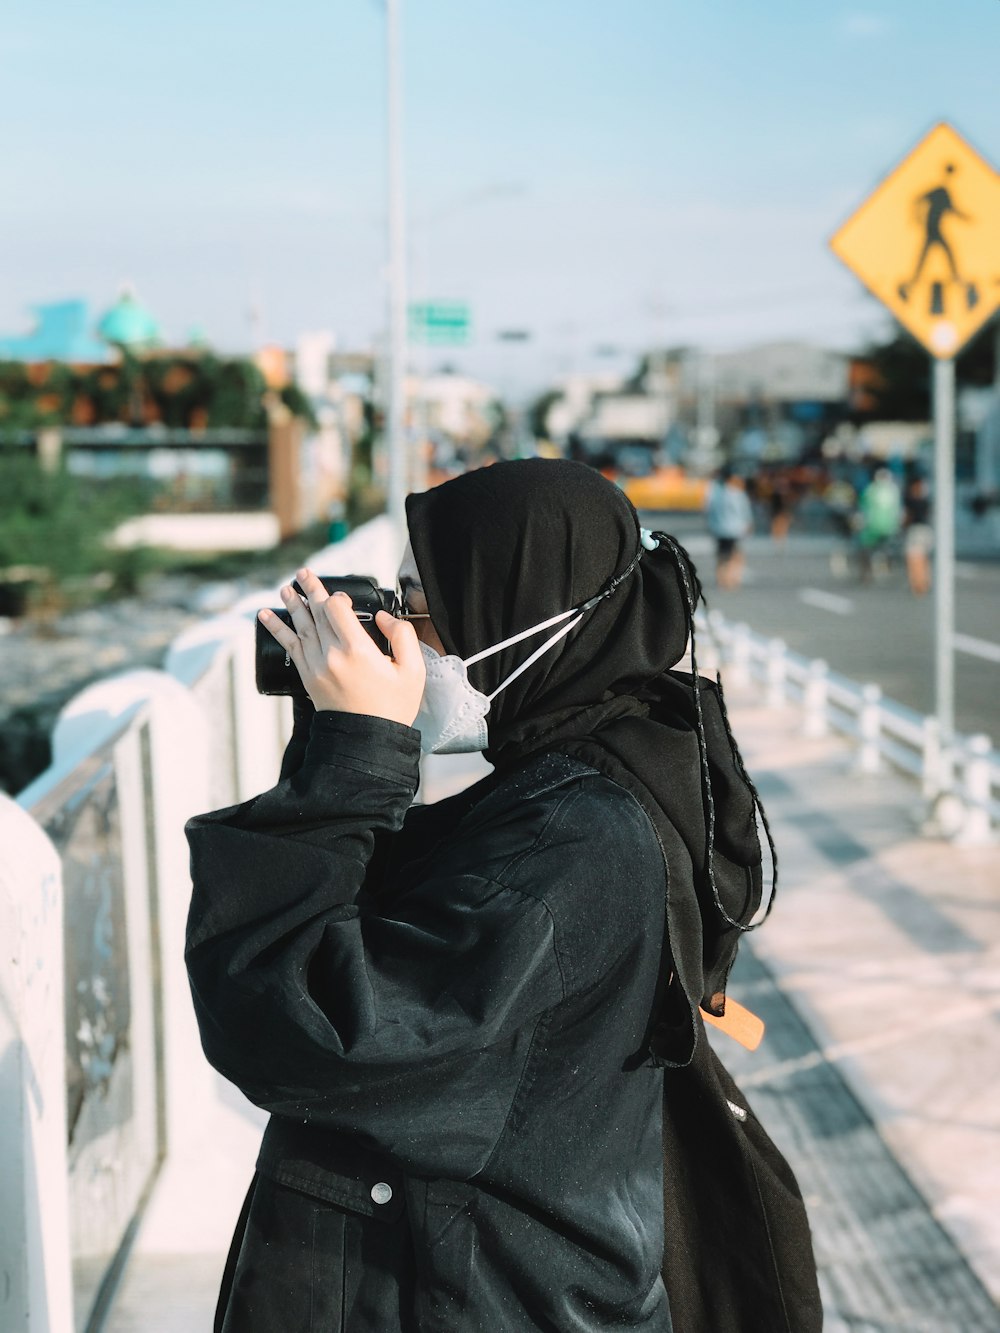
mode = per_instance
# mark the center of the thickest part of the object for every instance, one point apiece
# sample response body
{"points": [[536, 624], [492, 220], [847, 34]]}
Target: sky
{"points": [[605, 176]]}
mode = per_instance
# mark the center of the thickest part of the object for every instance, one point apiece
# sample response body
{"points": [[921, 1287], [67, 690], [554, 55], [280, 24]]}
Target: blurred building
{"points": [[62, 332], [610, 422], [339, 387], [773, 402], [65, 332], [129, 325], [572, 402], [215, 452], [456, 408], [789, 373]]}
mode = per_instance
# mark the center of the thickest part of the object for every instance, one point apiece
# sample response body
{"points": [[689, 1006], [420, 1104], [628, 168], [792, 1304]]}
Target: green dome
{"points": [[128, 324]]}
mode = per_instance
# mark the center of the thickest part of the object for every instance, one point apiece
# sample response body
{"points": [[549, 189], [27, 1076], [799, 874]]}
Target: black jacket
{"points": [[445, 1009]]}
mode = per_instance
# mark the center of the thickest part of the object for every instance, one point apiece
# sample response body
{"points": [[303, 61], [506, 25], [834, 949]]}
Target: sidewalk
{"points": [[879, 1076]]}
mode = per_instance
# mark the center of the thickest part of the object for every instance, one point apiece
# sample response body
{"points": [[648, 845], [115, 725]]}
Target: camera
{"points": [[277, 673]]}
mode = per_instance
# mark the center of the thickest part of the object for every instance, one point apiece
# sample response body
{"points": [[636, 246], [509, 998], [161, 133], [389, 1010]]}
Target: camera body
{"points": [[277, 674]]}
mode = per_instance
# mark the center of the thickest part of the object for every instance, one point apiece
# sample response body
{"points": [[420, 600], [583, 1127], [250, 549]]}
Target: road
{"points": [[876, 632]]}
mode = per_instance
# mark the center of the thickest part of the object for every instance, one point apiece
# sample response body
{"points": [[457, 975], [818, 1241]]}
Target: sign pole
{"points": [[944, 553], [924, 244]]}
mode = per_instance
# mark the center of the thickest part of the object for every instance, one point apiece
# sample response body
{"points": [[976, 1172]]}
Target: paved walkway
{"points": [[879, 1076]]}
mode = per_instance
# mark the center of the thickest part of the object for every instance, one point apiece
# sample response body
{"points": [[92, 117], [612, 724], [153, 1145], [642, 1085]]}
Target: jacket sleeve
{"points": [[360, 1012], [294, 757]]}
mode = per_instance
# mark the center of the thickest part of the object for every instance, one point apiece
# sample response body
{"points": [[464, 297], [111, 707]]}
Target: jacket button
{"points": [[381, 1192]]}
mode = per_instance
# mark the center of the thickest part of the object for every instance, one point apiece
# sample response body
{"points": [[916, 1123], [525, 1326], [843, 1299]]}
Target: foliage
{"points": [[53, 523], [238, 391], [901, 387], [538, 412], [299, 405], [31, 399], [365, 498], [184, 390]]}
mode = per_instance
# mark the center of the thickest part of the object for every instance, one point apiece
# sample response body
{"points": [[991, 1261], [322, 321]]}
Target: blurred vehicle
{"points": [[635, 460], [668, 487]]}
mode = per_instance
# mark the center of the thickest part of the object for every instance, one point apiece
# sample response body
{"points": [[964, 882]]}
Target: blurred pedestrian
{"points": [[780, 503], [841, 502], [730, 520], [477, 1024], [918, 535], [881, 515]]}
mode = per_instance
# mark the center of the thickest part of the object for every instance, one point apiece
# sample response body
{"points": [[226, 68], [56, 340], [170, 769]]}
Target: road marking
{"points": [[965, 643], [826, 601]]}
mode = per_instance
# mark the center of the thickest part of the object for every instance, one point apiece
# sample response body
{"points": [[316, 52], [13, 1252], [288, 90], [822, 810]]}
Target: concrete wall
{"points": [[168, 744]]}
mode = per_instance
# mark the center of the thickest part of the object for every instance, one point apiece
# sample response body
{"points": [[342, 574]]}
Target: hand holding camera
{"points": [[337, 661]]}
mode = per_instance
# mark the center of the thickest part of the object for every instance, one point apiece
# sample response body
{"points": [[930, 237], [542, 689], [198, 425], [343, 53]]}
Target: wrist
{"points": [[381, 745]]}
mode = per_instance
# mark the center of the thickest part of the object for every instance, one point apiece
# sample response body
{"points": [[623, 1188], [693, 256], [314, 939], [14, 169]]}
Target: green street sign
{"points": [[439, 322]]}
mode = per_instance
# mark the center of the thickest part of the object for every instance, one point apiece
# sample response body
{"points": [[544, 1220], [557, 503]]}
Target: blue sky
{"points": [[598, 173]]}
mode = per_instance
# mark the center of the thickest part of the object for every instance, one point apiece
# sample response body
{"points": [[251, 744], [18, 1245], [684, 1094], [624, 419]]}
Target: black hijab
{"points": [[502, 549]]}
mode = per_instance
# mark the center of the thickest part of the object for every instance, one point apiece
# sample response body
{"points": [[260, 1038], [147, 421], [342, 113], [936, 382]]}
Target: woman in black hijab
{"points": [[477, 1024]]}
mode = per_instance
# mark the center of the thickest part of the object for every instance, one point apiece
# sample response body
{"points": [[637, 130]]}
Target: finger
{"points": [[301, 613], [339, 612], [403, 641], [284, 634], [312, 586]]}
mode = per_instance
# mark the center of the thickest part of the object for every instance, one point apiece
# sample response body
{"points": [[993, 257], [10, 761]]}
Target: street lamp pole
{"points": [[396, 396]]}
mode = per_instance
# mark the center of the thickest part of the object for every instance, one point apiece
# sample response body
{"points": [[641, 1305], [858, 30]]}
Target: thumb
{"points": [[403, 641]]}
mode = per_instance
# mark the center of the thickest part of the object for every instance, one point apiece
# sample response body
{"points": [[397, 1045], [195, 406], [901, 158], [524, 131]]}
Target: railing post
{"points": [[708, 649], [931, 783], [869, 758], [975, 830], [739, 655], [815, 699], [718, 624], [775, 672]]}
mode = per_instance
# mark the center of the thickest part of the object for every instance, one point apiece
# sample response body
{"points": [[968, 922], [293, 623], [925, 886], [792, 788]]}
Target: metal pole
{"points": [[944, 550], [396, 396]]}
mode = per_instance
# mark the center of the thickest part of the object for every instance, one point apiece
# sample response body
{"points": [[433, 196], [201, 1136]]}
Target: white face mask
{"points": [[452, 716]]}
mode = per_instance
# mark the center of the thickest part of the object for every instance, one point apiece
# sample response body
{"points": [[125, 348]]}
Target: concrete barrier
{"points": [[95, 857], [35, 1290]]}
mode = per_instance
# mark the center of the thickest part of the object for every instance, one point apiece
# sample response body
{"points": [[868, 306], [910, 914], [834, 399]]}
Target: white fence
{"points": [[959, 779], [101, 1071]]}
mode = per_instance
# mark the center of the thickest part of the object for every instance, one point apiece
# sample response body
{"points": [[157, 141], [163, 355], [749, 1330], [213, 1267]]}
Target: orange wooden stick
{"points": [[738, 1023]]}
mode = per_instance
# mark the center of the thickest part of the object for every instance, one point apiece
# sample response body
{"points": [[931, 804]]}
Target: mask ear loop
{"points": [[549, 643], [577, 612], [682, 565], [524, 634]]}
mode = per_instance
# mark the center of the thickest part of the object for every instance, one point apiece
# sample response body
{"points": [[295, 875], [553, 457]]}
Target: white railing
{"points": [[960, 779], [101, 1071]]}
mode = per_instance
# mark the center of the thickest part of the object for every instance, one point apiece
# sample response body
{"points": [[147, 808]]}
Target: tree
{"points": [[899, 387], [538, 412]]}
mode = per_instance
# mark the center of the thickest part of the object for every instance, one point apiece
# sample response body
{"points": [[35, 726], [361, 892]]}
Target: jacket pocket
{"points": [[287, 1269], [326, 1244], [446, 1241], [333, 1168]]}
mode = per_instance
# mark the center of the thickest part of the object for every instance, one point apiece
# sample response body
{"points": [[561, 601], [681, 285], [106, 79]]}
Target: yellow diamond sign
{"points": [[927, 241]]}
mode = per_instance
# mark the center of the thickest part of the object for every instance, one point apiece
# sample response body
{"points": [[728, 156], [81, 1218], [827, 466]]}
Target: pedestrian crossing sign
{"points": [[925, 242]]}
